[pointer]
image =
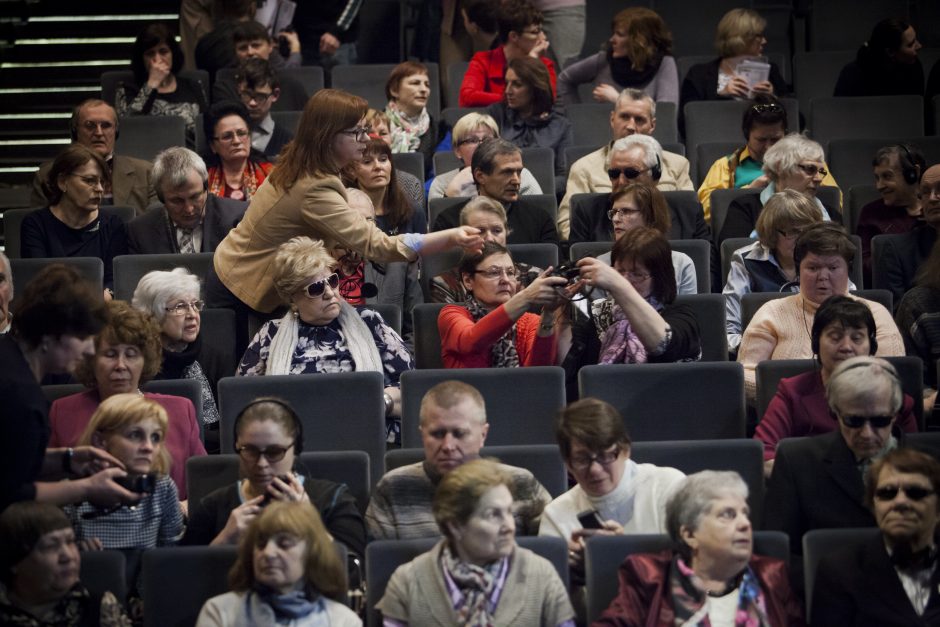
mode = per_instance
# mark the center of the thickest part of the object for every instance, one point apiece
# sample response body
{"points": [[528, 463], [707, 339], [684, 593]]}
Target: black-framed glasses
{"points": [[812, 170], [316, 289], [630, 173], [360, 133], [913, 492], [605, 458], [472, 139], [857, 422], [258, 96], [271, 453], [181, 309], [230, 136], [622, 211]]}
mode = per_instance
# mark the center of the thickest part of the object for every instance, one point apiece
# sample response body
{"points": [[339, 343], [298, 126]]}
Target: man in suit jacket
{"points": [[190, 220], [94, 124], [892, 579]]}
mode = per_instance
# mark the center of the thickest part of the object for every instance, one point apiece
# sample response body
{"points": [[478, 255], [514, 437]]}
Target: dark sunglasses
{"points": [[316, 288], [630, 173], [857, 422], [913, 492]]}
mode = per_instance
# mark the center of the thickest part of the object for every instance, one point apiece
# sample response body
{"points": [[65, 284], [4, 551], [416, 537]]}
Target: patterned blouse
{"points": [[75, 609]]}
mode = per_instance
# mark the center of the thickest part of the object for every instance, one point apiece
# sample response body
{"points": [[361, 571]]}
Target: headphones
{"points": [[657, 170], [909, 170], [295, 420]]}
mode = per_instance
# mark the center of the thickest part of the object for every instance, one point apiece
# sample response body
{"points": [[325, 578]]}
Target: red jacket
{"points": [[484, 82], [643, 598], [467, 344]]}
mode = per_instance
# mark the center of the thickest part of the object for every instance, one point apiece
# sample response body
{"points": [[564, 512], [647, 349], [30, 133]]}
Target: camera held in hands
{"points": [[569, 272], [139, 483]]}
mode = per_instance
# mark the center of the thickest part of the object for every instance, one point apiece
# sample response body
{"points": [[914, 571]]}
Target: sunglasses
{"points": [[857, 422], [630, 173], [913, 492], [316, 289]]}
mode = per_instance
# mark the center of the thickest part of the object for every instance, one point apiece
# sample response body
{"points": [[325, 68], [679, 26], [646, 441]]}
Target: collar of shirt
{"points": [[265, 126]]}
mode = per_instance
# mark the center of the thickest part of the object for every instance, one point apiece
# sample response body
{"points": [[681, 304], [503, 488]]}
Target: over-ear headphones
{"points": [[909, 170], [295, 420], [657, 170]]}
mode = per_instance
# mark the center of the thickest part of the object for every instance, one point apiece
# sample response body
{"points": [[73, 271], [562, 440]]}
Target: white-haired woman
{"points": [[795, 162], [322, 332], [468, 133], [172, 297], [713, 577]]}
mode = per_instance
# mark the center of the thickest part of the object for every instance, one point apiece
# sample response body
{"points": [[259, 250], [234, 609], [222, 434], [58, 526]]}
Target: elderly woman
{"points": [[638, 321], [767, 265], [886, 65], [376, 175], [794, 162], [842, 328], [638, 55], [287, 572], [780, 329], [468, 133], [127, 353], [172, 298], [322, 332], [476, 575], [412, 128], [156, 59], [39, 567], [493, 328], [713, 577], [72, 225], [528, 117], [268, 437], [236, 170], [619, 495]]}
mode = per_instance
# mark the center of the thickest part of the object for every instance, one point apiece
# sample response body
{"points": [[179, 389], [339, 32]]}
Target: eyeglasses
{"points": [[252, 453], [181, 309], [622, 211], [472, 140], [495, 273], [231, 135], [361, 133], [812, 170], [789, 234], [316, 289], [258, 96], [91, 125], [766, 108], [637, 277], [583, 462], [90, 181], [913, 492], [630, 173], [857, 422]]}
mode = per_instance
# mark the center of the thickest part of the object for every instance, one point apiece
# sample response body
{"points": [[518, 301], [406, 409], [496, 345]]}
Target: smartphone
{"points": [[267, 495], [590, 520]]}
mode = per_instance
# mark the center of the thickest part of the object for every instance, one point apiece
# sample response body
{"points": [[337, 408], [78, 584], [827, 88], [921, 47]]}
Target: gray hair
{"points": [[863, 378], [694, 497], [484, 156], [173, 166], [635, 95], [652, 149], [155, 289], [483, 203], [783, 157]]}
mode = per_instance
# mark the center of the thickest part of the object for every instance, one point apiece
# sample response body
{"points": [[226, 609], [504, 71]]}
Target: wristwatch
{"points": [[389, 404]]}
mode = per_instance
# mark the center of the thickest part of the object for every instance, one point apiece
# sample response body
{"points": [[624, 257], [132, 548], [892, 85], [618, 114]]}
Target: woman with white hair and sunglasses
{"points": [[322, 332]]}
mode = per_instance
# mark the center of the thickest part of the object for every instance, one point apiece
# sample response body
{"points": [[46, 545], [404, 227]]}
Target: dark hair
{"points": [[69, 159], [256, 72], [58, 301], [651, 202], [906, 460], [650, 248], [275, 409], [398, 211], [533, 74], [886, 36], [249, 31], [483, 13], [515, 16], [766, 111], [908, 156], [402, 71], [484, 156], [469, 261], [154, 35], [824, 238], [22, 524], [846, 311], [131, 326], [595, 423]]}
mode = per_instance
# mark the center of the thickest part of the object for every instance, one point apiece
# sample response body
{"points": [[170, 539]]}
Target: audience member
{"points": [[638, 321], [127, 353], [287, 571], [780, 328], [634, 114], [215, 49], [898, 169], [156, 59], [887, 580], [713, 576], [564, 24], [497, 169], [842, 328], [133, 429], [189, 220], [795, 162], [291, 94], [886, 65], [375, 174], [638, 55], [259, 89], [767, 265], [453, 428], [253, 41], [412, 128], [94, 124], [528, 117], [39, 570], [328, 30], [72, 224], [6, 294], [520, 35], [377, 121], [236, 169]]}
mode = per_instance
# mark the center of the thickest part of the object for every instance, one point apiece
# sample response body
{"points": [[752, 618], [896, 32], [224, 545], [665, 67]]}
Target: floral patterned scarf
{"points": [[503, 354], [689, 599], [476, 584], [252, 177], [406, 132]]}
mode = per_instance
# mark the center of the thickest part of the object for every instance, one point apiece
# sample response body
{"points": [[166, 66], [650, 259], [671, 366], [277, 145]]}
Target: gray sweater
{"points": [[664, 86]]}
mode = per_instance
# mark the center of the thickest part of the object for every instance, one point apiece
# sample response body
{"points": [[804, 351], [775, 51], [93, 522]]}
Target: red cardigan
{"points": [[484, 82], [643, 597], [467, 344]]}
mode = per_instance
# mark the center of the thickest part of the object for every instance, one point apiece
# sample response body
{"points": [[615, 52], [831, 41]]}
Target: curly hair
{"points": [[648, 37], [126, 326], [122, 410], [154, 35], [295, 261]]}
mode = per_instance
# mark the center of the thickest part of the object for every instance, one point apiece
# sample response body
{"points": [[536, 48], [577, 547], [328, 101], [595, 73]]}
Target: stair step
{"points": [[45, 99], [62, 74], [102, 26], [62, 49]]}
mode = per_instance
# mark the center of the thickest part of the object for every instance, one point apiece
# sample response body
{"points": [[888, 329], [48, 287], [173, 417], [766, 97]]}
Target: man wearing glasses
{"points": [[94, 124], [890, 579], [259, 89], [189, 219]]}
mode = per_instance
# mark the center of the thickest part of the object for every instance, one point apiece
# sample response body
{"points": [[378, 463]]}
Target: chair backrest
{"points": [[311, 77], [187, 388], [130, 269], [864, 117], [541, 163], [709, 312], [427, 336], [177, 581], [815, 73], [728, 247], [104, 571], [720, 120], [410, 162], [545, 202], [721, 199], [667, 125], [451, 114], [91, 268], [445, 161], [541, 254], [573, 153], [579, 250], [859, 196], [542, 460], [700, 252], [353, 420], [110, 81], [693, 25], [590, 123], [854, 21], [368, 81], [753, 301], [146, 135], [436, 206], [879, 271], [288, 119], [520, 402], [882, 297], [850, 159], [604, 554], [217, 328], [710, 405], [455, 74], [707, 153], [819, 542]]}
